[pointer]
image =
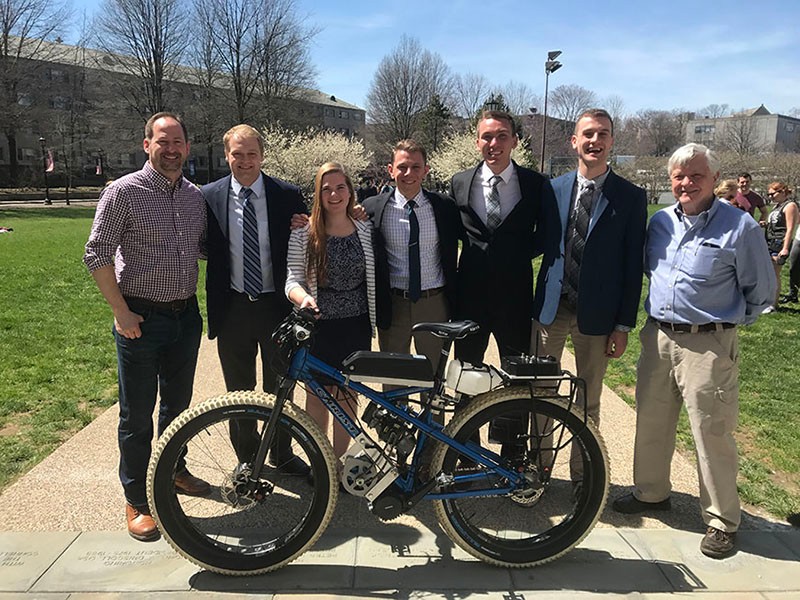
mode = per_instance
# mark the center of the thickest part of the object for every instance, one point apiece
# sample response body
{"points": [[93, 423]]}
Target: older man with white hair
{"points": [[709, 272]]}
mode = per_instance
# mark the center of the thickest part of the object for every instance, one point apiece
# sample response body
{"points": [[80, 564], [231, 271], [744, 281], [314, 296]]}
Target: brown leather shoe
{"points": [[186, 483], [141, 525]]}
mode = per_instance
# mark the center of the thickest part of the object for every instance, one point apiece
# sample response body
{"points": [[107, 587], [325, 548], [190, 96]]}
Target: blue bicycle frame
{"points": [[305, 368]]}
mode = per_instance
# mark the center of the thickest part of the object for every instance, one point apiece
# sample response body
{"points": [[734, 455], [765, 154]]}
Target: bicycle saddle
{"points": [[454, 330]]}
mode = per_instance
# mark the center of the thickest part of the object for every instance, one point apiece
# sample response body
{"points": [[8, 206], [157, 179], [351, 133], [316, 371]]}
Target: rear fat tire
{"points": [[245, 540], [499, 531]]}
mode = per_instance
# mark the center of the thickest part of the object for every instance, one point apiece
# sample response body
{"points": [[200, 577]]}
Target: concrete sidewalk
{"points": [[62, 534]]}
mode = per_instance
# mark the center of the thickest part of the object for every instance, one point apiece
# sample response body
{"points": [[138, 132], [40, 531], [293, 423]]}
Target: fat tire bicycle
{"points": [[499, 471]]}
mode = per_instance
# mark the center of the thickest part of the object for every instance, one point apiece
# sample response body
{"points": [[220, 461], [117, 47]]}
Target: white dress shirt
{"points": [[508, 189], [235, 233]]}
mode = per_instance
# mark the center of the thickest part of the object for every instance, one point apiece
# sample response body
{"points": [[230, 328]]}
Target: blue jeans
{"points": [[163, 358]]}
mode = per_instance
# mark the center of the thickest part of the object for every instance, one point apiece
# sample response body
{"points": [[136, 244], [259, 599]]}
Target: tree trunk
{"points": [[13, 163]]}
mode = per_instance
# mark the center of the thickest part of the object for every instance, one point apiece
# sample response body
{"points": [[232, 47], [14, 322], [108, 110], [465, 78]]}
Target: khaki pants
{"points": [[405, 314], [590, 360], [700, 370]]}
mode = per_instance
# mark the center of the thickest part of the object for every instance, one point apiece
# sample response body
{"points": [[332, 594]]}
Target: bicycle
{"points": [[497, 471]]}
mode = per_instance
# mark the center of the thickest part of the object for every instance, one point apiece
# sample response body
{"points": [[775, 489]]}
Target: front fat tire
{"points": [[242, 540], [504, 532]]}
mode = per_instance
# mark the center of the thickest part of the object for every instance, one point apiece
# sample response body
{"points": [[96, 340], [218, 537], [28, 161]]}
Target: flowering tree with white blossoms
{"points": [[296, 156], [459, 152]]}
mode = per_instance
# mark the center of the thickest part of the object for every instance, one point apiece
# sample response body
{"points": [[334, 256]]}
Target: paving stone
{"points": [[192, 595], [762, 563], [328, 565], [602, 562], [428, 564], [705, 596], [24, 556], [32, 596], [115, 562]]}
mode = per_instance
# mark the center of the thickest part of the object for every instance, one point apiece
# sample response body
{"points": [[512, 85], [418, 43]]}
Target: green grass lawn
{"points": [[57, 361]]}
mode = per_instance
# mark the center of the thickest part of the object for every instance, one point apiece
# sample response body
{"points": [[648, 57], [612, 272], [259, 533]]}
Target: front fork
{"points": [[269, 434]]}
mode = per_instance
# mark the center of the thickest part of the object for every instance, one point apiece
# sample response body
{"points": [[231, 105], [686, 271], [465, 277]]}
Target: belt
{"points": [[686, 328], [261, 296], [422, 294], [173, 306]]}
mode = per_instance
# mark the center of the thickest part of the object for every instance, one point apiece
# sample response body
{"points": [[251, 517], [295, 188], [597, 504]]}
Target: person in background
{"points": [[779, 229], [748, 200], [331, 269], [147, 236], [709, 272], [794, 269], [727, 190]]}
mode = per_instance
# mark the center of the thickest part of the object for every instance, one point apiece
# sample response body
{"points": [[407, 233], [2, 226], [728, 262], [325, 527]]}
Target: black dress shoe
{"points": [[292, 466], [631, 505]]}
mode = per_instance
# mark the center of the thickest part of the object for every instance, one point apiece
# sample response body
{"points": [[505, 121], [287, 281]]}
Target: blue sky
{"points": [[663, 55]]}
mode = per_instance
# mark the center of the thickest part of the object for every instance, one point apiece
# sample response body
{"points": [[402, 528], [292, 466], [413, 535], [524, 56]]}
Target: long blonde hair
{"points": [[317, 237]]}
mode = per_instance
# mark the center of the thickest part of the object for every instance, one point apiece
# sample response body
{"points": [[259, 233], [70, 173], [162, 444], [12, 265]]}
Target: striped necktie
{"points": [[581, 217], [493, 216], [250, 248]]}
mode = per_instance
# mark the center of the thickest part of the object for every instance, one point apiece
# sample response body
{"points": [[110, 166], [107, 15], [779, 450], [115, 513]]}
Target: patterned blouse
{"points": [[345, 291]]}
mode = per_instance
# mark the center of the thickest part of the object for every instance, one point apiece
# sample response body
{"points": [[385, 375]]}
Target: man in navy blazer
{"points": [[597, 297], [495, 276], [439, 232], [243, 323]]}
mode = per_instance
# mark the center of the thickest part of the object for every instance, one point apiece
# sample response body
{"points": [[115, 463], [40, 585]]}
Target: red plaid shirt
{"points": [[153, 234]]}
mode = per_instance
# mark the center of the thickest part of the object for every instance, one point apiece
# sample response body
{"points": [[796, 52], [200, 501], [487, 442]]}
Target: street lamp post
{"points": [[47, 200], [551, 65]]}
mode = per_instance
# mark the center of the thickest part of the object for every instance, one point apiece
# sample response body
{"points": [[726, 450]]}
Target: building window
{"points": [[132, 158], [24, 99], [329, 112], [704, 128], [56, 75], [26, 154], [790, 127], [343, 114]]}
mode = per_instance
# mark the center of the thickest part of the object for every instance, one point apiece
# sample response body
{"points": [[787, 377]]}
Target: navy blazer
{"points": [[495, 267], [610, 282], [283, 201], [448, 226]]}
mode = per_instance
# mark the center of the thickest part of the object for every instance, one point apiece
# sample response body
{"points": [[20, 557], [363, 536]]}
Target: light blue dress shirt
{"points": [[712, 268]]}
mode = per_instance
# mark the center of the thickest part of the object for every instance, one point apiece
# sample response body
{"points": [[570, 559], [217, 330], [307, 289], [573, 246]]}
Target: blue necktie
{"points": [[414, 280], [250, 247]]}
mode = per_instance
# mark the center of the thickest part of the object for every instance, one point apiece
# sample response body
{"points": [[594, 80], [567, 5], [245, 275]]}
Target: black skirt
{"points": [[336, 339]]}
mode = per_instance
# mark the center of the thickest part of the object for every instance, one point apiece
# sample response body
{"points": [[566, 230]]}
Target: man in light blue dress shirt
{"points": [[709, 272]]}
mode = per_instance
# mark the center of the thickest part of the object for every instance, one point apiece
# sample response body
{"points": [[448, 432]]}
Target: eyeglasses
{"points": [[774, 193]]}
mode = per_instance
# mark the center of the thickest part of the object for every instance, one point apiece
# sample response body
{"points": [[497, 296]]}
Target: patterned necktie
{"points": [[250, 247], [493, 216], [414, 279], [581, 217]]}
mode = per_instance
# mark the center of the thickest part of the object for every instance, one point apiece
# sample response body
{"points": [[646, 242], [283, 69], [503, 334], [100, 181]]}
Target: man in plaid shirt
{"points": [[148, 232]]}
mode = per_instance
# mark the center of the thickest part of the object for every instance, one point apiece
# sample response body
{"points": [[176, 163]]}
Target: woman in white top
{"points": [[331, 268]]}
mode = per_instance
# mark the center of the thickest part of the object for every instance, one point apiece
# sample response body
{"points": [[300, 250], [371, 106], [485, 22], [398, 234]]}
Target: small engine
{"points": [[391, 430]]}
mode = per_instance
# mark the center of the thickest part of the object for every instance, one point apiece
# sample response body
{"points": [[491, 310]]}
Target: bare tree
{"points": [[403, 86], [740, 136], [615, 105], [262, 49], [25, 28], [470, 91], [284, 47], [209, 109], [569, 101], [519, 98], [714, 111], [659, 131], [149, 38]]}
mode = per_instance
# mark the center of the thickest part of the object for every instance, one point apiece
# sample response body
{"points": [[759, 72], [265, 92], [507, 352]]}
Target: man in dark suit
{"points": [[242, 311], [509, 216], [603, 217], [415, 263]]}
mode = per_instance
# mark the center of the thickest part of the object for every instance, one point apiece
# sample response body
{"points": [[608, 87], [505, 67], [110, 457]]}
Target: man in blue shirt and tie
{"points": [[709, 272]]}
